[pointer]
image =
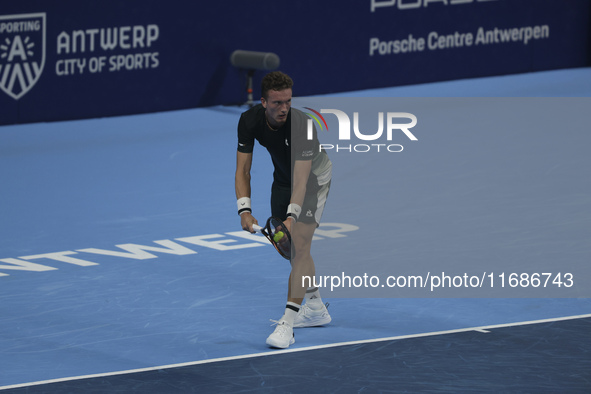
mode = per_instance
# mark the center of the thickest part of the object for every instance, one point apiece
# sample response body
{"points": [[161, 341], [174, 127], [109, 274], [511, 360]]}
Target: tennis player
{"points": [[301, 181]]}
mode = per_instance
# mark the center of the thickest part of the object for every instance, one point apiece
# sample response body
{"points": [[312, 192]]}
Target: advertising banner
{"points": [[69, 59]]}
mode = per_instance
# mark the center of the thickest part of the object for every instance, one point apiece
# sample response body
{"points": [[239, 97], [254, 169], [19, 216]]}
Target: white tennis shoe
{"points": [[282, 337], [308, 317]]}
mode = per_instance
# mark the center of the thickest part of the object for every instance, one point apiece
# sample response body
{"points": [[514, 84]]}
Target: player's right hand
{"points": [[246, 221]]}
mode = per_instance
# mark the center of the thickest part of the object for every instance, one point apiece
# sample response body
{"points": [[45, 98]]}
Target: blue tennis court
{"points": [[123, 267]]}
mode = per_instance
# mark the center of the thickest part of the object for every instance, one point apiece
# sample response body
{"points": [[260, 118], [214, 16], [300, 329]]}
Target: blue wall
{"points": [[175, 54]]}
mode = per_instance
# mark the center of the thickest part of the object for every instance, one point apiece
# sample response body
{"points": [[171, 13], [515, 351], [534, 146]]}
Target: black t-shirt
{"points": [[253, 126]]}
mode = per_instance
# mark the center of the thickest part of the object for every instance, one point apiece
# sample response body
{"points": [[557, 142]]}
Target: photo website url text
{"points": [[432, 282]]}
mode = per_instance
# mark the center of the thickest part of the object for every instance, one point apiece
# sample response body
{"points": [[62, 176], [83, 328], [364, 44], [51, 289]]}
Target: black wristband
{"points": [[241, 211]]}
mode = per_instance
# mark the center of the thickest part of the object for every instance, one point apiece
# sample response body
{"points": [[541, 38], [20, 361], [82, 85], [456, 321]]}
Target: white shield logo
{"points": [[22, 52]]}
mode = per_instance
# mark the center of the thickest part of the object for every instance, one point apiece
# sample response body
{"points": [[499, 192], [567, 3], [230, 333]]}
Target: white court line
{"points": [[483, 329]]}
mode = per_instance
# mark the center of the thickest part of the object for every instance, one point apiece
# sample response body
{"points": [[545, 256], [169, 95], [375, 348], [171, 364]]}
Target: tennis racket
{"points": [[277, 234]]}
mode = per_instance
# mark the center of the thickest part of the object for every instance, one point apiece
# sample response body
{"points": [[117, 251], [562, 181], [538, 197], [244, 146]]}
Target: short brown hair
{"points": [[275, 80]]}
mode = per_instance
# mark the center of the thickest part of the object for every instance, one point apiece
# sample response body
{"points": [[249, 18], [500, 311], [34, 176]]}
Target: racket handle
{"points": [[257, 228]]}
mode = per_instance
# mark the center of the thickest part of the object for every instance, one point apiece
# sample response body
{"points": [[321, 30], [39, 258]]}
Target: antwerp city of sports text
{"points": [[91, 41]]}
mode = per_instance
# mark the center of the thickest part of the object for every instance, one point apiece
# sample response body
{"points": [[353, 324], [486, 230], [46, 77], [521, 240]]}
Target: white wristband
{"points": [[293, 211], [243, 204]]}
